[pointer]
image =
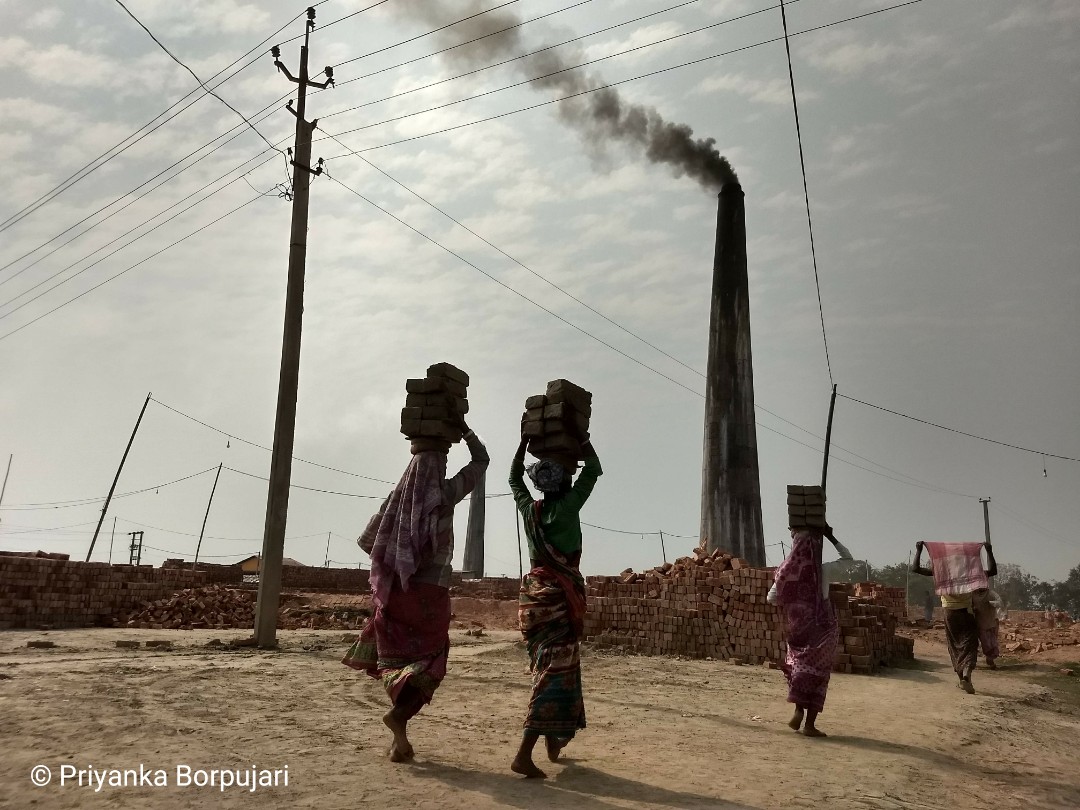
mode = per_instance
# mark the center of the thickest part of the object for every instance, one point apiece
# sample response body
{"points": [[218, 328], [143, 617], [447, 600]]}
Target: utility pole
{"points": [[327, 563], [202, 531], [277, 500], [986, 523], [663, 551], [828, 439], [112, 537], [119, 469], [3, 489]]}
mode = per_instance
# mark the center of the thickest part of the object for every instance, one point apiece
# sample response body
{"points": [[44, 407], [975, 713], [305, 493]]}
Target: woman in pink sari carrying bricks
{"points": [[958, 572], [802, 591]]}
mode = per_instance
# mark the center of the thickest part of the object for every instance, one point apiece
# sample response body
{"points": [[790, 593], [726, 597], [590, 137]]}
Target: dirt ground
{"points": [[663, 732]]}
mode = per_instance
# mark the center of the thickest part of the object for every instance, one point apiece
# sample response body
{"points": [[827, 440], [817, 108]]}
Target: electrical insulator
{"points": [[275, 52]]}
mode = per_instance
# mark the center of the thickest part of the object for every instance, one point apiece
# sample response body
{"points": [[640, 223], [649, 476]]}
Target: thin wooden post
{"points": [[202, 531], [116, 478]]}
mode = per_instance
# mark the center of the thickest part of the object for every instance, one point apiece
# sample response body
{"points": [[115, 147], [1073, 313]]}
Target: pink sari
{"points": [[811, 628]]}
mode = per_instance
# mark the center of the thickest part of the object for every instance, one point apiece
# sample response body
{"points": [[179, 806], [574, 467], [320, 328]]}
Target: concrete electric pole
{"points": [[277, 501]]}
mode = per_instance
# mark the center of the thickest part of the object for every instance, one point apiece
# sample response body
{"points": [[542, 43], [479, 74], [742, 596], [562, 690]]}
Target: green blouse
{"points": [[559, 517]]}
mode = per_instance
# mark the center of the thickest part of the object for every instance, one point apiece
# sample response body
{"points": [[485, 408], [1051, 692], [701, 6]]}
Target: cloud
{"points": [[1032, 15], [765, 91], [44, 19]]}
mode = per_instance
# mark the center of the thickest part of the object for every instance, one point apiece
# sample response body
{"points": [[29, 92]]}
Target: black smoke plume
{"points": [[601, 116]]}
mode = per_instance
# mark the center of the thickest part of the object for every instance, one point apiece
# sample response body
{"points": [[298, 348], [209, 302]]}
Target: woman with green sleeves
{"points": [[551, 609]]}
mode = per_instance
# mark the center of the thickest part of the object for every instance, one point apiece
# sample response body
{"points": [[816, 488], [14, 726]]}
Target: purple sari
{"points": [[811, 628]]}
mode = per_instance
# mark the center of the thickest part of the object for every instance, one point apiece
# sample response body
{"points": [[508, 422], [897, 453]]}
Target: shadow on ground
{"points": [[569, 785]]}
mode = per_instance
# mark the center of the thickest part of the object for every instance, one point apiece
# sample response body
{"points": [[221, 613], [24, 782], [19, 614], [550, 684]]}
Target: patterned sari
{"points": [[407, 641], [811, 627], [551, 612]]}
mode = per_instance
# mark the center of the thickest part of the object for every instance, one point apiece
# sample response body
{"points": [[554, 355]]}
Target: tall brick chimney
{"points": [[730, 484]]}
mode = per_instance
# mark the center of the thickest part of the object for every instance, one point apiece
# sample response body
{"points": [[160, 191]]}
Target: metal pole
{"points": [[277, 500], [327, 563], [111, 538], [986, 524], [828, 439], [3, 489], [119, 469], [662, 549], [202, 531], [907, 587]]}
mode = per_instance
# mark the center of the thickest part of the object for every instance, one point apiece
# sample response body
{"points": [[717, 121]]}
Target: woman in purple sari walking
{"points": [[802, 591]]}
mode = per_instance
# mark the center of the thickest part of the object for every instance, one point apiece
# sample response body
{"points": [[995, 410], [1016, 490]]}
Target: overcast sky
{"points": [[942, 148]]}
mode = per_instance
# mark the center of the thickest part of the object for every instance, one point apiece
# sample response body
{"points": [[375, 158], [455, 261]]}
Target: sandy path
{"points": [[662, 732]]}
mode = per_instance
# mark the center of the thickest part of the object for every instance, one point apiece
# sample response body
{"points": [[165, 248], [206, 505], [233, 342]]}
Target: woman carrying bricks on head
{"points": [[551, 607], [811, 631], [411, 544], [958, 573]]}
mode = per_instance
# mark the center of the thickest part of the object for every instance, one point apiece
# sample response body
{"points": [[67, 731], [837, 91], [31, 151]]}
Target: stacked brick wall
{"points": [[502, 588], [294, 577], [36, 591], [698, 613], [715, 607]]}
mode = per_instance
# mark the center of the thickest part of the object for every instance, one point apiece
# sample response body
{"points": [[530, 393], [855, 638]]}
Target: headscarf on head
{"points": [[409, 524], [547, 475]]}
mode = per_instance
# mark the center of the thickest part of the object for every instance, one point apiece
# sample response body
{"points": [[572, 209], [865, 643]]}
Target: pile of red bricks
{"points": [[868, 614], [895, 599], [714, 606], [213, 606], [221, 608], [706, 606], [37, 591]]}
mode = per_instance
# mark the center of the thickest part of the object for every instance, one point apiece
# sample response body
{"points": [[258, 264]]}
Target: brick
{"points": [[450, 372]]}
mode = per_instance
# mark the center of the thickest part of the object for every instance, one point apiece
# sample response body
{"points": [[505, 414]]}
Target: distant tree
{"points": [[895, 575], [1019, 589]]}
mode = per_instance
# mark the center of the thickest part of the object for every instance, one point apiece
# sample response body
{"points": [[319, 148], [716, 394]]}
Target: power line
{"points": [[117, 250], [511, 289], [132, 267], [87, 501], [131, 202], [443, 28], [609, 85], [534, 79], [264, 447], [806, 192], [202, 84], [961, 432], [207, 556], [458, 256], [309, 489], [211, 537], [196, 151], [105, 157]]}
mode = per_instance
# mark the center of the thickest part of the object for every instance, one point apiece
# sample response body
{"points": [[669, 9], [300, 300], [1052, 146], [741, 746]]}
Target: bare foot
{"points": [[796, 719], [555, 745], [527, 768], [402, 749], [813, 731], [965, 684]]}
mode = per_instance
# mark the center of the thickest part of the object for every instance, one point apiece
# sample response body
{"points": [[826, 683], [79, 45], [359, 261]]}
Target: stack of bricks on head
{"points": [[556, 423], [433, 406]]}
